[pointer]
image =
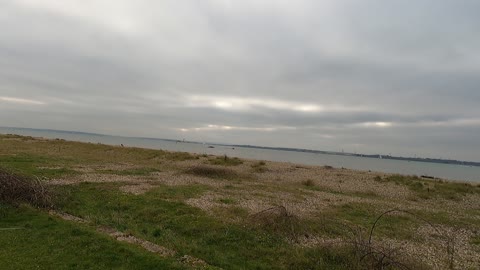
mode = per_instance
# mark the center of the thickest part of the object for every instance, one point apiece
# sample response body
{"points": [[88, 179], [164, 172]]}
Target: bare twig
{"points": [[16, 188]]}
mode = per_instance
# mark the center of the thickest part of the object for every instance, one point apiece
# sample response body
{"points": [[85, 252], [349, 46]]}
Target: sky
{"points": [[368, 76]]}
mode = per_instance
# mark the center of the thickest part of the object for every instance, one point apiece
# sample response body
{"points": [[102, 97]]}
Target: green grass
{"points": [[431, 189], [160, 216], [225, 236], [37, 165], [466, 220], [362, 215], [227, 201], [42, 242], [58, 152]]}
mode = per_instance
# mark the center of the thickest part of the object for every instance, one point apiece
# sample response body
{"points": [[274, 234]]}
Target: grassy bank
{"points": [[226, 213]]}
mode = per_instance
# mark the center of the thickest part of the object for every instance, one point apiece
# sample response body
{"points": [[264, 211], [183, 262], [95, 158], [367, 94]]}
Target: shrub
{"points": [[212, 172], [259, 167], [280, 221], [16, 189], [308, 183], [226, 161]]}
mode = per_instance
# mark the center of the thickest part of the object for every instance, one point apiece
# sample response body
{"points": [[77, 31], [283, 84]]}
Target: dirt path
{"points": [[162, 251]]}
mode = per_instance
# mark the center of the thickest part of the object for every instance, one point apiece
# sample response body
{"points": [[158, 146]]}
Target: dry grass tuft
{"points": [[259, 167], [308, 183], [279, 220], [16, 189], [226, 161], [212, 172], [379, 255]]}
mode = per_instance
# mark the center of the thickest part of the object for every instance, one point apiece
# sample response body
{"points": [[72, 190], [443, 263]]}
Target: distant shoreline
{"points": [[428, 160], [300, 150], [306, 157]]}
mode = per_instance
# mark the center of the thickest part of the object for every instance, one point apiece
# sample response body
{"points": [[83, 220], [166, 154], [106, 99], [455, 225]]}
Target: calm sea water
{"points": [[445, 171]]}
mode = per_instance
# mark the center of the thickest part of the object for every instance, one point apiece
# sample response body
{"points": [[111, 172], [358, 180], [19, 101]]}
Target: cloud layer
{"points": [[369, 76]]}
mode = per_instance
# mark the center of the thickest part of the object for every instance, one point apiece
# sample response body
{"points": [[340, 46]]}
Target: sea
{"points": [[438, 170]]}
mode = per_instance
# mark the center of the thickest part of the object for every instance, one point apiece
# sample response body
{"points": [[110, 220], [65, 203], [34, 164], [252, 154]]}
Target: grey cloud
{"points": [[128, 68]]}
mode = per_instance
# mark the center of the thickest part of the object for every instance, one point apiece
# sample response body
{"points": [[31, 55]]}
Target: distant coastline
{"points": [[375, 156], [379, 156]]}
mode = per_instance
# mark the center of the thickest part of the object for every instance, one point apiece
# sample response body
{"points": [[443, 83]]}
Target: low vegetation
{"points": [[212, 172], [225, 161], [133, 171], [59, 198], [259, 167], [16, 189], [308, 183], [429, 189], [32, 239]]}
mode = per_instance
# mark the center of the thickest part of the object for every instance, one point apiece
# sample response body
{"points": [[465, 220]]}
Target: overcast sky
{"points": [[367, 76]]}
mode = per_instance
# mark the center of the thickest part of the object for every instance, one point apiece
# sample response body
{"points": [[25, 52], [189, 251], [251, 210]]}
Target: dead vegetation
{"points": [[373, 254], [16, 189], [259, 167], [212, 172], [280, 221], [225, 161]]}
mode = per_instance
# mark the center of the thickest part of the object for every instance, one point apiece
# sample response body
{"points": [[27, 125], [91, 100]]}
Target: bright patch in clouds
{"points": [[245, 104], [378, 124], [21, 101], [235, 128], [116, 15]]}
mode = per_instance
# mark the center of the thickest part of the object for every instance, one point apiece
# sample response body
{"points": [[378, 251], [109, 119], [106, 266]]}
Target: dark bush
{"points": [[16, 189], [212, 172]]}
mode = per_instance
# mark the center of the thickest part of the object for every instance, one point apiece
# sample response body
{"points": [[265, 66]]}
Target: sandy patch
{"points": [[137, 189]]}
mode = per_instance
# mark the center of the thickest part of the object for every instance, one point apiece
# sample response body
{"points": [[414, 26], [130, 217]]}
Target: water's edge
{"points": [[438, 170]]}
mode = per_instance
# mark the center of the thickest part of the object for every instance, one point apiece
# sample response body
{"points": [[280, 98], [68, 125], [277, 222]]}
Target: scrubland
{"points": [[92, 206]]}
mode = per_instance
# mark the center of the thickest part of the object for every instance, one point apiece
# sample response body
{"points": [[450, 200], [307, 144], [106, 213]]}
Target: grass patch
{"points": [[430, 189], [37, 165], [308, 183], [445, 218], [279, 220], [231, 213], [227, 201], [132, 172], [213, 172], [29, 153], [259, 167], [311, 185], [314, 187], [225, 161], [229, 186], [160, 216], [42, 242], [397, 226], [364, 194], [178, 156], [475, 240]]}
